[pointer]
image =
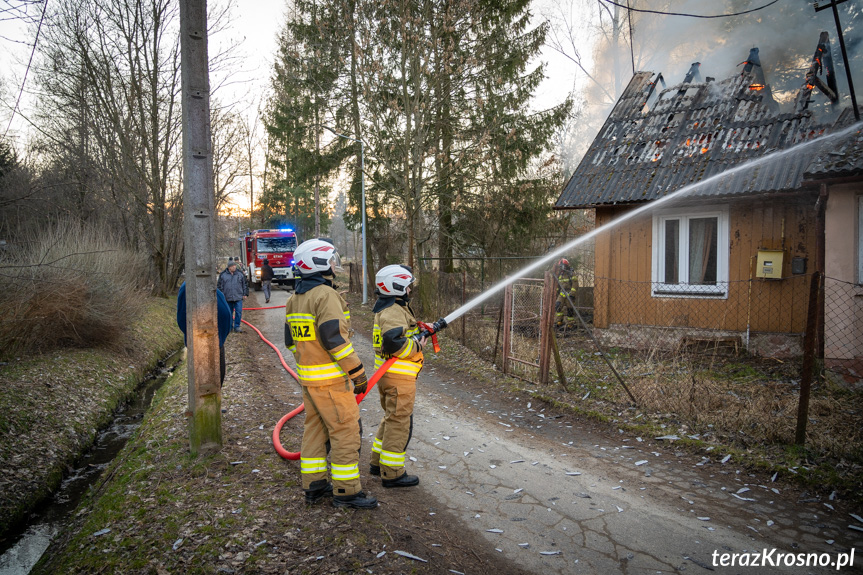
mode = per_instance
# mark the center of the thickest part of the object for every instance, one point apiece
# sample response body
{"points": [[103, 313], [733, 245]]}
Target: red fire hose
{"points": [[277, 442]]}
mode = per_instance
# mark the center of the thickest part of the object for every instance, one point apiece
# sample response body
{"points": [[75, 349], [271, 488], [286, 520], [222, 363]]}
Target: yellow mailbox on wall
{"points": [[769, 264]]}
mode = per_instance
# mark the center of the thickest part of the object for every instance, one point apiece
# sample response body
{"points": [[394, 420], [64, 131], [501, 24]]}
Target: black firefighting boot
{"points": [[356, 501], [403, 480], [375, 470], [318, 490]]}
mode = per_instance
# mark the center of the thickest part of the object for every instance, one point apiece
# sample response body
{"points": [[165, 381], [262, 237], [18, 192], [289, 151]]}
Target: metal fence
{"points": [[728, 362]]}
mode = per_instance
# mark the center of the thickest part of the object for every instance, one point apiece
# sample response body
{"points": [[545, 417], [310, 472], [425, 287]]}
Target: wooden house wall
{"points": [[622, 294]]}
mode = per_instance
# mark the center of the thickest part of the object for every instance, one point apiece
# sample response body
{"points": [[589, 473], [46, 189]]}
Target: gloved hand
{"points": [[360, 383], [419, 341]]}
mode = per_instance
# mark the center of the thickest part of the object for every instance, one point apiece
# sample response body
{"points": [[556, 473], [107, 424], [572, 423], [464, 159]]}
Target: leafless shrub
{"points": [[67, 285]]}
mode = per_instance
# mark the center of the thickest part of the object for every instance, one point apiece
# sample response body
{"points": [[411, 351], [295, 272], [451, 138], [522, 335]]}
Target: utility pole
{"points": [[833, 4], [202, 329]]}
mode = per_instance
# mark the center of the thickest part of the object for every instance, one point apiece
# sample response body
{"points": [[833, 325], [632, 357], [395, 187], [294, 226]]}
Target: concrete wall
{"points": [[843, 295]]}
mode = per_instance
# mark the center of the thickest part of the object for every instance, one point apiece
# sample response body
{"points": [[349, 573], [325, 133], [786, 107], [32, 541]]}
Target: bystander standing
{"points": [[267, 276], [233, 284], [224, 321]]}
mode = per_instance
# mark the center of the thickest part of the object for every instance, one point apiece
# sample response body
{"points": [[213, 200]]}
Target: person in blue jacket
{"points": [[224, 319]]}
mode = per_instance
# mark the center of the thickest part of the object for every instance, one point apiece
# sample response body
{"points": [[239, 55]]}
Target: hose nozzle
{"points": [[431, 331]]}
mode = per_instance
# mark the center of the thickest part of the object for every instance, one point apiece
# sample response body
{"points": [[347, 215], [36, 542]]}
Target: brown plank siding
{"points": [[624, 269]]}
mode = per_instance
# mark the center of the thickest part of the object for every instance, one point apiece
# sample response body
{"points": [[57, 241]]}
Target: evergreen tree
{"points": [[304, 84], [493, 138]]}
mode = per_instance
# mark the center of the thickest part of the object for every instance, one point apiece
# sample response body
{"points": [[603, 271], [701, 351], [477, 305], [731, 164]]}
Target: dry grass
{"points": [[68, 285]]}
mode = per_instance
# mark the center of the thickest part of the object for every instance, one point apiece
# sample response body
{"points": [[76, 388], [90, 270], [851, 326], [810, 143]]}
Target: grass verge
{"points": [[52, 405], [157, 509]]}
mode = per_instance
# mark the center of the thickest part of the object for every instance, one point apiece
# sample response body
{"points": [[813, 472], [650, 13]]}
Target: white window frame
{"points": [[685, 290]]}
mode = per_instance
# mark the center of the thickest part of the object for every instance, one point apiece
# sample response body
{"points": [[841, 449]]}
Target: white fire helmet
{"points": [[394, 280], [315, 256]]}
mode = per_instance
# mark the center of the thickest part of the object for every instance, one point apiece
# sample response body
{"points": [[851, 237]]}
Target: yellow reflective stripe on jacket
{"points": [[344, 352], [345, 472], [407, 350], [392, 459], [293, 349], [300, 317], [414, 331], [376, 445], [321, 371], [347, 314], [400, 366], [313, 465]]}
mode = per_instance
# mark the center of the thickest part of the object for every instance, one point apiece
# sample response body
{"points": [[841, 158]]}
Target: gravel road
{"points": [[556, 495]]}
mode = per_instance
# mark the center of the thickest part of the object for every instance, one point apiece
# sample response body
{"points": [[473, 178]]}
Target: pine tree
{"points": [[307, 68], [489, 141]]}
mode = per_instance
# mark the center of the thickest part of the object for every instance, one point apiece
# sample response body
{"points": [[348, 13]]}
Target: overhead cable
{"points": [[619, 5]]}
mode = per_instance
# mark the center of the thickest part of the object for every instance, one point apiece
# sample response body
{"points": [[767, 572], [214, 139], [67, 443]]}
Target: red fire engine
{"points": [[278, 247]]}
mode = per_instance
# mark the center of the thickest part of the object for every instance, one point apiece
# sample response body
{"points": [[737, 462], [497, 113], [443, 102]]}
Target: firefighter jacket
{"points": [[317, 328], [394, 325], [568, 284]]}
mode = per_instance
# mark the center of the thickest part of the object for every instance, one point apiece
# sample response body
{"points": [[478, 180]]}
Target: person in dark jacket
{"points": [[224, 319], [233, 284], [267, 276]]}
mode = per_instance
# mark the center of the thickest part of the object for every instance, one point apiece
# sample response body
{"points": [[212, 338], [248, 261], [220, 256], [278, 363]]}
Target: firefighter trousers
{"points": [[394, 432], [332, 416], [562, 310]]}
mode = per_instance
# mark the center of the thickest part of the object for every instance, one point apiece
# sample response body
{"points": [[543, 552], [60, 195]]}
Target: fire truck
{"points": [[277, 246]]}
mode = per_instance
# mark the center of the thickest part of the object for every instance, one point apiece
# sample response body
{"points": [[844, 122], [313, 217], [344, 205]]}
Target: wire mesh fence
{"points": [[721, 360], [843, 330]]}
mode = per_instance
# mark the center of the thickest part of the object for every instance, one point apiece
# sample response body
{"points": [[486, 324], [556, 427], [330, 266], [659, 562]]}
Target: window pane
{"points": [[276, 245], [702, 251], [672, 251]]}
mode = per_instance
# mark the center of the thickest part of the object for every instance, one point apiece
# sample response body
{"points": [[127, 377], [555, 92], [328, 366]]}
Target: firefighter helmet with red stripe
{"points": [[394, 280], [315, 256]]}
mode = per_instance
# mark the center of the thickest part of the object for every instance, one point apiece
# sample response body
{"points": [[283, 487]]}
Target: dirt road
{"points": [[556, 495]]}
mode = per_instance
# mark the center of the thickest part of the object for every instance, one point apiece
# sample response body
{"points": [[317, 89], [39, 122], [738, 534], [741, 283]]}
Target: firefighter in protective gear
{"points": [[317, 328], [395, 334], [568, 286]]}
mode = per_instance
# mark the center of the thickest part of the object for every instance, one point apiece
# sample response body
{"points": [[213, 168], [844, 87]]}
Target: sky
{"points": [[256, 23], [665, 44]]}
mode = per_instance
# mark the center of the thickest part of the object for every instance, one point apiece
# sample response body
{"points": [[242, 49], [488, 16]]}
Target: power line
{"points": [[619, 5], [27, 71]]}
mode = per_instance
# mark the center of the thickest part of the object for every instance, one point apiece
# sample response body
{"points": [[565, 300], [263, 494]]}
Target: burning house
{"points": [[729, 261]]}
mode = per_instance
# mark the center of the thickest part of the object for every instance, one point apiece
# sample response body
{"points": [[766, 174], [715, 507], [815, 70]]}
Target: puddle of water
{"points": [[21, 552]]}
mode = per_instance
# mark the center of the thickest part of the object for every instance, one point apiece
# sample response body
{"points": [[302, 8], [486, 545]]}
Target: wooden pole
{"points": [[546, 326], [507, 327], [463, 300], [806, 371], [557, 362], [205, 398]]}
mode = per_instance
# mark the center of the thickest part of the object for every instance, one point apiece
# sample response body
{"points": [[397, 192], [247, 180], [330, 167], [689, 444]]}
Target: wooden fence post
{"points": [[810, 342], [546, 325], [507, 326]]}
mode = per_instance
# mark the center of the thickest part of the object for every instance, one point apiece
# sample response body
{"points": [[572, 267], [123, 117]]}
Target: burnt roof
{"points": [[844, 159], [689, 133]]}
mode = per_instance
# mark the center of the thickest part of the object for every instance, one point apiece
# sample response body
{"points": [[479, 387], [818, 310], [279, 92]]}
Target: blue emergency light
{"points": [[286, 230]]}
